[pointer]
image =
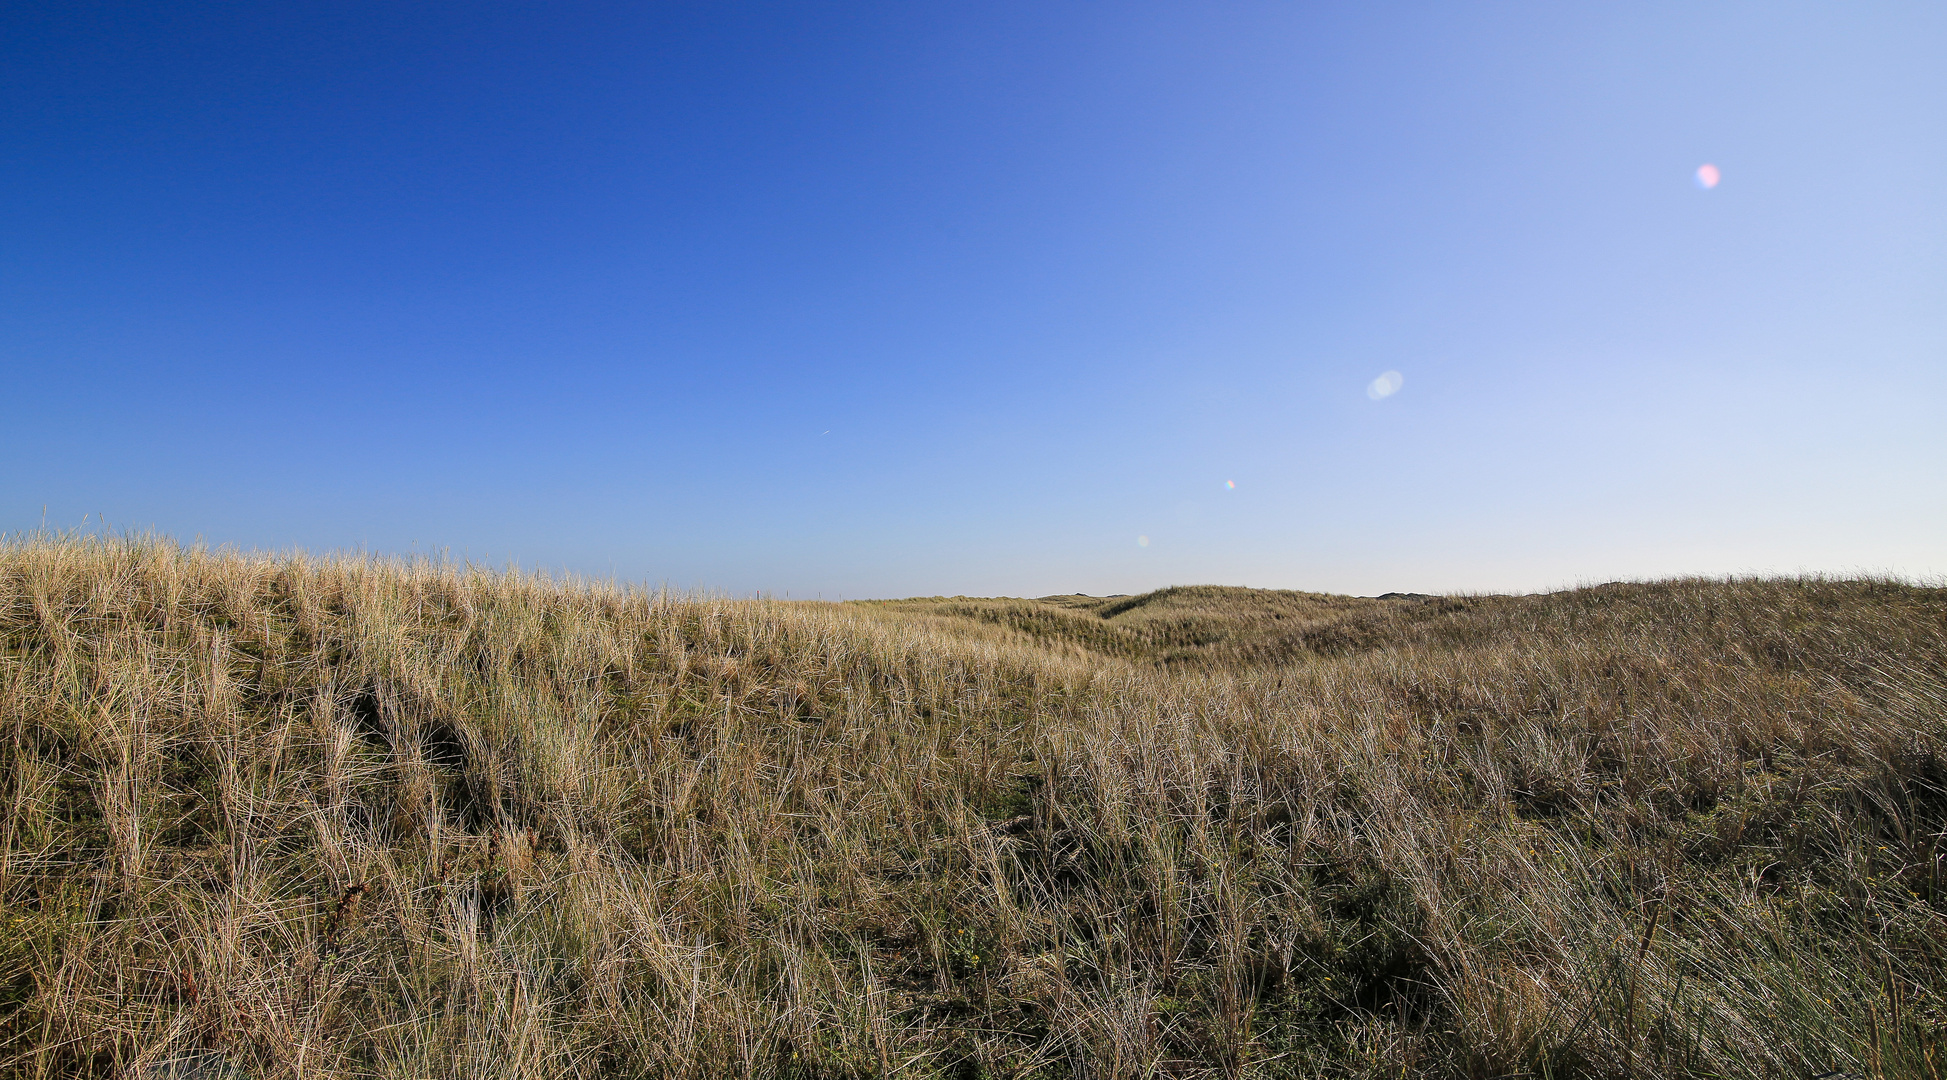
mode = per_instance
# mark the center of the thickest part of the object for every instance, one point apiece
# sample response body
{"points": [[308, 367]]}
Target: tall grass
{"points": [[351, 817]]}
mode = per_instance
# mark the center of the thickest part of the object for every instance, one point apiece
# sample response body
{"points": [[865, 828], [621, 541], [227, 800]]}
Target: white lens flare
{"points": [[1142, 541], [1385, 386], [1708, 176]]}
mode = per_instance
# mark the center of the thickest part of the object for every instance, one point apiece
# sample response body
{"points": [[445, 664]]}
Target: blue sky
{"points": [[872, 300]]}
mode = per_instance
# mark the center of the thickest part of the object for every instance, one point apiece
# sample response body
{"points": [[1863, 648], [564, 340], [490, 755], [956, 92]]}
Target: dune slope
{"points": [[345, 818]]}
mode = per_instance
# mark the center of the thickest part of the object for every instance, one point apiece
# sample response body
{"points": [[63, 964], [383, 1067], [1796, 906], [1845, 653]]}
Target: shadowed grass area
{"points": [[349, 818]]}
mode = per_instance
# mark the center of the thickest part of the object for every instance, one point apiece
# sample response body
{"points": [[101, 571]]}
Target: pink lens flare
{"points": [[1708, 176]]}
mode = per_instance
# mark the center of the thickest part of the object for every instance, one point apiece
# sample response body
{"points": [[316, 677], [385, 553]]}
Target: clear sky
{"points": [[870, 300]]}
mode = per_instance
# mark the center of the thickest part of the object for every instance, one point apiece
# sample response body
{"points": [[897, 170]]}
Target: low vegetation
{"points": [[285, 817]]}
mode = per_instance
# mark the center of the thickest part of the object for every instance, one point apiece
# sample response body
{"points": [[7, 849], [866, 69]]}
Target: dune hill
{"points": [[1199, 626], [288, 817]]}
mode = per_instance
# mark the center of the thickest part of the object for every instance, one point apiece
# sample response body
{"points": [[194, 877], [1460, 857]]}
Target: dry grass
{"points": [[352, 818], [1199, 626]]}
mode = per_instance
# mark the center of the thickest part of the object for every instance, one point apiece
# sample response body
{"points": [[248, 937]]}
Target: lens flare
{"points": [[1708, 176], [1231, 484], [1142, 541], [1385, 386]]}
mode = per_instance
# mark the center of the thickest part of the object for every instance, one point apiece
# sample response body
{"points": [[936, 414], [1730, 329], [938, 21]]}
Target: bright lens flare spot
{"points": [[1708, 176], [1231, 484], [1385, 386], [1142, 541]]}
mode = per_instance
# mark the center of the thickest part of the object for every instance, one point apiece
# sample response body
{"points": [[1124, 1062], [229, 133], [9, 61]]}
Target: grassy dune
{"points": [[345, 818]]}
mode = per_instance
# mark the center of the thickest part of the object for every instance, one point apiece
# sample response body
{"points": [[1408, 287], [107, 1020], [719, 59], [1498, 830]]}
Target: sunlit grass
{"points": [[342, 818]]}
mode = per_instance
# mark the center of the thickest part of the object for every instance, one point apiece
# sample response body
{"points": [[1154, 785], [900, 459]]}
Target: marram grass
{"points": [[288, 817]]}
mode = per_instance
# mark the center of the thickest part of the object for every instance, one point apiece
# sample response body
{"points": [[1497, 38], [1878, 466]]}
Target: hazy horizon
{"points": [[999, 300]]}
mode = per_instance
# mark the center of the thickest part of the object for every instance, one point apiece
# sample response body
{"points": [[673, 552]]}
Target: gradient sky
{"points": [[874, 300]]}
